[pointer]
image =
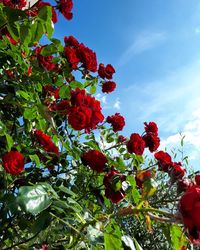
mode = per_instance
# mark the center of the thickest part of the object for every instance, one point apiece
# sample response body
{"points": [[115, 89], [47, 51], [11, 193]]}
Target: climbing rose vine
{"points": [[68, 178]]}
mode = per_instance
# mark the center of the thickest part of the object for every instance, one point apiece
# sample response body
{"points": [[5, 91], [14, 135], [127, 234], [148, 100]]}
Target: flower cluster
{"points": [[65, 7], [85, 111], [76, 53], [174, 169], [149, 140], [15, 4], [95, 160]]}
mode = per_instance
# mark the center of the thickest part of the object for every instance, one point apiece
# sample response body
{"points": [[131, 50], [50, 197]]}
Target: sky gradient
{"points": [[155, 49]]}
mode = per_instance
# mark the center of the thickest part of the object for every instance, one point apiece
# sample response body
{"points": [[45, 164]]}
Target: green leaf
{"points": [[137, 246], [93, 89], [36, 31], [76, 84], [64, 92], [9, 141], [24, 94], [25, 34], [34, 199], [45, 13], [178, 239], [30, 113], [35, 159], [112, 237]]}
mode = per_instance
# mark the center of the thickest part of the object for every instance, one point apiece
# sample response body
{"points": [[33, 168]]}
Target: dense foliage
{"points": [[69, 178]]}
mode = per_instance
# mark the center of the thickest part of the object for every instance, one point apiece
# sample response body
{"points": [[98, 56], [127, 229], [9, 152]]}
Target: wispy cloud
{"points": [[117, 104], [142, 42]]}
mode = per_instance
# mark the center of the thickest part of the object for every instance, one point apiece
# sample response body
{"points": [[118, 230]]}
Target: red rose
{"points": [[85, 112], [65, 7], [45, 247], [87, 57], [112, 192], [189, 207], [141, 176], [106, 72], [45, 141], [183, 185], [177, 171], [79, 117], [152, 141], [117, 121], [15, 4], [136, 144], [108, 87], [151, 128], [72, 59], [13, 162], [197, 179], [164, 160], [71, 41], [95, 160]]}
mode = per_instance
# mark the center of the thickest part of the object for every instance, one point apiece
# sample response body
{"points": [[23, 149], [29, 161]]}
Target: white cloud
{"points": [[144, 41], [101, 98], [191, 133], [197, 30], [117, 104]]}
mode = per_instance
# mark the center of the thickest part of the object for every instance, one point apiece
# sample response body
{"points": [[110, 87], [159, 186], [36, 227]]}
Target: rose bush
{"points": [[68, 179]]}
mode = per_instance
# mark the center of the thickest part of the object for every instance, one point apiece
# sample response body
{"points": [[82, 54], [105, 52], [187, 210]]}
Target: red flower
{"points": [[15, 4], [197, 179], [189, 207], [117, 121], [152, 141], [106, 72], [85, 112], [141, 177], [164, 160], [71, 41], [45, 141], [87, 57], [79, 117], [136, 144], [45, 61], [45, 247], [65, 7], [151, 128], [72, 59], [95, 160], [29, 72], [13, 162], [183, 185], [108, 87], [111, 182], [177, 171]]}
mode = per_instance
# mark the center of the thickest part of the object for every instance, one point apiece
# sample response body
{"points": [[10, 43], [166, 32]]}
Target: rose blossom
{"points": [[151, 128], [106, 72], [164, 160], [108, 87], [136, 144], [45, 141], [95, 160], [189, 207], [13, 162], [152, 141], [117, 121]]}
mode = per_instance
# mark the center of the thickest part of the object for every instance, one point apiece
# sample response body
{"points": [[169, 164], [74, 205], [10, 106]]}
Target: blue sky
{"points": [[155, 49]]}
